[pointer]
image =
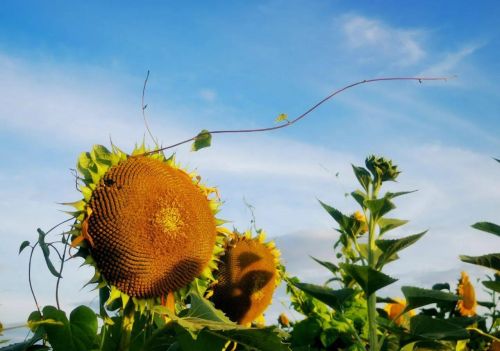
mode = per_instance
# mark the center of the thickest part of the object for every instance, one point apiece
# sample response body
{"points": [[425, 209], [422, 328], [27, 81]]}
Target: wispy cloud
{"points": [[450, 62], [375, 40]]}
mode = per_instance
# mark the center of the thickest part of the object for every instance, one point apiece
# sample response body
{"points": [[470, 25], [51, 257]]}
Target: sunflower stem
{"points": [[372, 298]]}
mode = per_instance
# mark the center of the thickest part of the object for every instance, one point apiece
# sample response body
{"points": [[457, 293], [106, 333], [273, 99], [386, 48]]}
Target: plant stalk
{"points": [[372, 298]]}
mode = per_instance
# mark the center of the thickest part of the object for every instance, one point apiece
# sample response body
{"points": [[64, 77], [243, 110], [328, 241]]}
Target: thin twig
{"points": [[143, 108], [29, 277], [289, 123]]}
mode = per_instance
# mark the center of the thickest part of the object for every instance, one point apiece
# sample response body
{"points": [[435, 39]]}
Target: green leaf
{"points": [[380, 207], [392, 246], [333, 298], [24, 245], [391, 196], [305, 332], [387, 224], [430, 345], [202, 140], [436, 329], [417, 297], [360, 197], [202, 308], [28, 345], [328, 265], [490, 260], [339, 217], [487, 227], [46, 253], [441, 286], [282, 117], [363, 176], [77, 334], [368, 278], [492, 285]]}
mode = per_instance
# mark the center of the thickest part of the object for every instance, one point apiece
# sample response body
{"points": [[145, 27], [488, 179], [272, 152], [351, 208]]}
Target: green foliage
{"points": [[369, 279], [202, 140], [333, 298], [487, 227], [418, 297], [391, 247], [46, 253], [490, 260]]}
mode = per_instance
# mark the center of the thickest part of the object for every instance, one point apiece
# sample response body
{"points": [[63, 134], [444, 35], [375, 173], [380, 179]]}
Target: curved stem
{"points": [[289, 123], [29, 277], [64, 239]]}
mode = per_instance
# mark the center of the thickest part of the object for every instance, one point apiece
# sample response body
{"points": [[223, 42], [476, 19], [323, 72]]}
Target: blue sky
{"points": [[71, 76]]}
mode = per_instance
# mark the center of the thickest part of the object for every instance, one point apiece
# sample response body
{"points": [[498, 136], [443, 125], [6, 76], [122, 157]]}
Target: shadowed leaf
{"points": [[202, 140], [368, 278], [417, 297], [490, 260], [487, 227]]}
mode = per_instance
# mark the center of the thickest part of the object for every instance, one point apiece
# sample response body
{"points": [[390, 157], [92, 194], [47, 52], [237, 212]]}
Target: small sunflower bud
{"points": [[381, 168]]}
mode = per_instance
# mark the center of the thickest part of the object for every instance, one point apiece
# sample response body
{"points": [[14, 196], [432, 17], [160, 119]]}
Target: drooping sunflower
{"points": [[145, 224], [394, 312], [247, 276], [467, 294]]}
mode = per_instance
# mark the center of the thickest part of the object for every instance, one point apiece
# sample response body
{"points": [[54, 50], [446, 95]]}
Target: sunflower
{"points": [[145, 224], [467, 303], [248, 274], [395, 310]]}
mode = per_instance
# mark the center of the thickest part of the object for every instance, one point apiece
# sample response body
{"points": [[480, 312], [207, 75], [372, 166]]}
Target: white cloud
{"points": [[208, 95], [451, 62], [375, 40]]}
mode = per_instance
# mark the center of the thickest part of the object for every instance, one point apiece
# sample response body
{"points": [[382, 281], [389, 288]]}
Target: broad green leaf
{"points": [[333, 298], [328, 265], [387, 224], [46, 253], [391, 343], [202, 308], [486, 304], [305, 332], [258, 339], [380, 207], [363, 176], [24, 245], [487, 227], [282, 117], [493, 285], [417, 297], [390, 247], [490, 260], [202, 140], [339, 217], [368, 278], [77, 334], [436, 329]]}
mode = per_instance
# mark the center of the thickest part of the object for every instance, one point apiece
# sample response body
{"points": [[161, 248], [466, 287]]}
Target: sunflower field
{"points": [[171, 275]]}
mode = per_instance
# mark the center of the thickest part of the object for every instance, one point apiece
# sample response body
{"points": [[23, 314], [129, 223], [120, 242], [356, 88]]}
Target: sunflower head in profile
{"points": [[247, 276], [146, 225], [395, 312], [467, 296]]}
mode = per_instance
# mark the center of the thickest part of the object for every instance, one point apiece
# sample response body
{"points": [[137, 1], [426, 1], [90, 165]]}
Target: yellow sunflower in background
{"points": [[395, 309], [146, 225], [248, 274], [465, 291]]}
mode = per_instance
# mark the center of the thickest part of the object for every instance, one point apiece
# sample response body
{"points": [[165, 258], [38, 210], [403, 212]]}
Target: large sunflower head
{"points": [[248, 274], [467, 303], [147, 225]]}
